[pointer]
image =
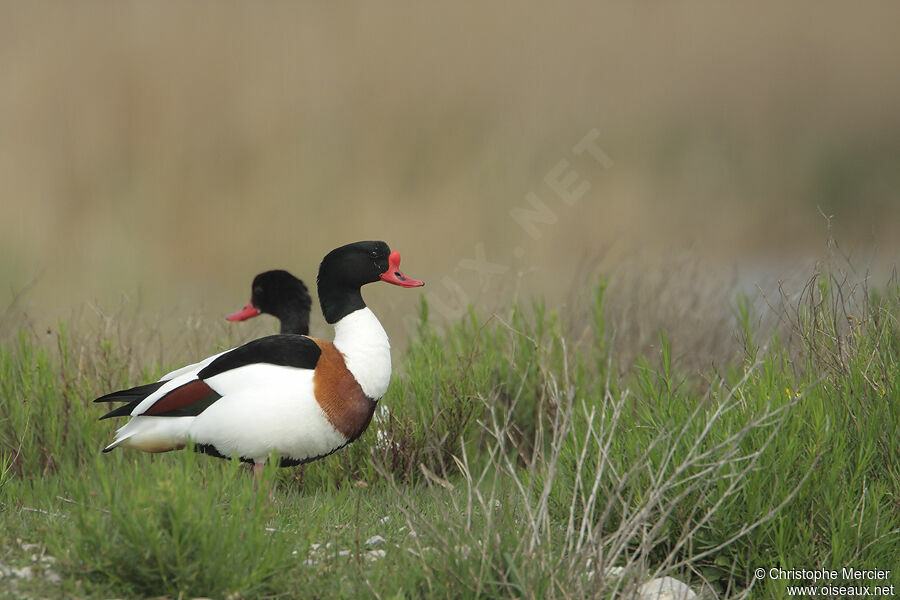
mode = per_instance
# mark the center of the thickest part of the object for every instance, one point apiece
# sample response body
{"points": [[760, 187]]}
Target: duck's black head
{"points": [[346, 269], [280, 294]]}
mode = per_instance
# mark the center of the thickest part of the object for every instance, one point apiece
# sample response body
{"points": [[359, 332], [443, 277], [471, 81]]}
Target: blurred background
{"points": [[157, 155]]}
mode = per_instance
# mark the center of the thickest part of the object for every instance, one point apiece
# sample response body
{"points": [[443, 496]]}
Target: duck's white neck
{"points": [[366, 349]]}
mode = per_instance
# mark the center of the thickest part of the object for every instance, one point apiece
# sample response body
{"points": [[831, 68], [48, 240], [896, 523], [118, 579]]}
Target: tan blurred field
{"points": [[164, 153]]}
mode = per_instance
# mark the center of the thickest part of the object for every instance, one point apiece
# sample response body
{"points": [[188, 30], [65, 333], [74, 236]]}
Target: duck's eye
{"points": [[373, 253]]}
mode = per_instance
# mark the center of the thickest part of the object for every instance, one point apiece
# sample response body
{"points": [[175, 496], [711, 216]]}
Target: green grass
{"points": [[513, 463], [180, 538]]}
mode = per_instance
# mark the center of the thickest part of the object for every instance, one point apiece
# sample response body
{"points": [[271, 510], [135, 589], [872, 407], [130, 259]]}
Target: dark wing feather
{"points": [[287, 349], [188, 400], [136, 393], [133, 397], [122, 411]]}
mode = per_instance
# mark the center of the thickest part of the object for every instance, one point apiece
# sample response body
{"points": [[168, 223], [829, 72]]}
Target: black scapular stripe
{"points": [[287, 349]]}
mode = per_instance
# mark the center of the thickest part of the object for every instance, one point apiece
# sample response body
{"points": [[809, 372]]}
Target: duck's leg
{"points": [[301, 471], [257, 470]]}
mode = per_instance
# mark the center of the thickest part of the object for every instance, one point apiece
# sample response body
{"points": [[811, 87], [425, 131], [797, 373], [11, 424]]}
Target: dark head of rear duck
{"points": [[297, 397], [280, 294]]}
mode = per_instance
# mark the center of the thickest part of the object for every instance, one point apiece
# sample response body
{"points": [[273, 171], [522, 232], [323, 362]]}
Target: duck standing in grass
{"points": [[280, 294], [297, 397]]}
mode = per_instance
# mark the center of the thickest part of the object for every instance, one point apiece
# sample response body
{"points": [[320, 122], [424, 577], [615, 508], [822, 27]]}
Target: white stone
{"points": [[375, 540], [611, 572], [52, 577], [665, 588], [373, 555]]}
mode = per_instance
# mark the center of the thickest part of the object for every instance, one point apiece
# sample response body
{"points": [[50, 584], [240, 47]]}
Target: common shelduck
{"points": [[280, 294], [297, 397]]}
